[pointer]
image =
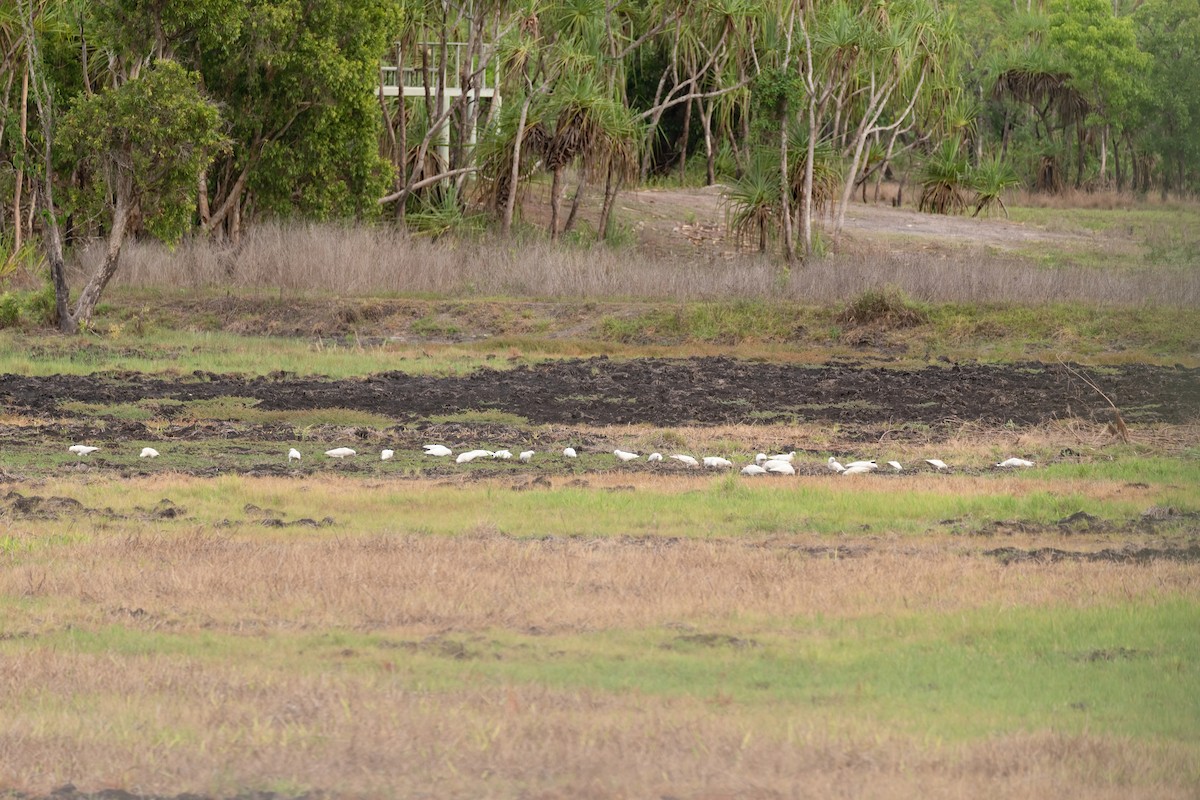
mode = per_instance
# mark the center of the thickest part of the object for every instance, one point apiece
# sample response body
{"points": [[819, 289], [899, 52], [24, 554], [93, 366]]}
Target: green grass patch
{"points": [[723, 507], [1129, 670]]}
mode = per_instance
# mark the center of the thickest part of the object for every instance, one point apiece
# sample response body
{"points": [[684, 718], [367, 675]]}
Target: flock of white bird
{"points": [[778, 464]]}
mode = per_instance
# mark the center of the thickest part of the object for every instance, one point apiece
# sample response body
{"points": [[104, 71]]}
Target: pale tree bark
{"points": [[575, 201], [710, 155], [877, 101], [555, 200], [52, 240], [20, 183], [85, 307], [785, 183], [514, 176]]}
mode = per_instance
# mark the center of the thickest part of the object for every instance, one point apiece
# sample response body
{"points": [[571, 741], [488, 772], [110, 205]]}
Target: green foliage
{"points": [[944, 179], [10, 310], [145, 142], [990, 179], [1101, 51], [753, 203], [1169, 31], [27, 307]]}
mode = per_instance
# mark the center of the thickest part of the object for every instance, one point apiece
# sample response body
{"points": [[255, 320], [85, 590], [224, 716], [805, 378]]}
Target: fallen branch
{"points": [[1118, 425]]}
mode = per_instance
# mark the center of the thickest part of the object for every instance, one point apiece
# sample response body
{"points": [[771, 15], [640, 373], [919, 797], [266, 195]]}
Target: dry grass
{"points": [[165, 724], [170, 721], [199, 579], [365, 261]]}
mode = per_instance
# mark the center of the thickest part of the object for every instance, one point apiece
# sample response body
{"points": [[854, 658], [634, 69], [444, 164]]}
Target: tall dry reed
{"points": [[360, 260]]}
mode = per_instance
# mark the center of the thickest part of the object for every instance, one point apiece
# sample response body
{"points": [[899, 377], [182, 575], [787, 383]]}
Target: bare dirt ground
{"points": [[668, 220]]}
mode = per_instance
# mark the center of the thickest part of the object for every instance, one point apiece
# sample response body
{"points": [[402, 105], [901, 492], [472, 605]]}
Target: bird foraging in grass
{"points": [[654, 457], [685, 459], [753, 469], [1015, 462], [835, 466], [148, 452], [526, 455], [339, 452], [569, 452], [625, 455], [437, 450], [502, 455], [471, 455], [293, 455], [937, 464], [82, 449], [386, 455], [716, 462], [895, 465]]}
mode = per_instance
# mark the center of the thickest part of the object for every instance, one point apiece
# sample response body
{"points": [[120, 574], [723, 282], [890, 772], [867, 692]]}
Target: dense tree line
{"points": [[163, 118]]}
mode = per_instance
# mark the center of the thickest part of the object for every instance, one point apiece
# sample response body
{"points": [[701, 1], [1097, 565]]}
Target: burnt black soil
{"points": [[600, 391]]}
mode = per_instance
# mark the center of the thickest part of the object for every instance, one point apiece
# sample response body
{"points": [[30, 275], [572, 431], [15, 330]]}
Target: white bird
{"points": [[148, 452], [339, 452], [471, 455], [717, 462], [779, 467], [569, 452], [293, 455], [525, 455], [502, 454], [1015, 462], [82, 449], [760, 458], [788, 457], [438, 450], [625, 455], [386, 455], [753, 469], [856, 469], [835, 466], [937, 464], [775, 462], [870, 465], [654, 457], [895, 465], [691, 462]]}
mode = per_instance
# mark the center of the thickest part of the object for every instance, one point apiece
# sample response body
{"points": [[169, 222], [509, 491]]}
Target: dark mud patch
{"points": [[708, 640], [599, 391], [35, 507], [1124, 555]]}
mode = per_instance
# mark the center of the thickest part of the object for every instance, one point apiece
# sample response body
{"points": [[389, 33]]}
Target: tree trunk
{"points": [[515, 174], [570, 224], [610, 197], [20, 183], [706, 112], [785, 187], [683, 140], [555, 200], [90, 296], [1104, 156], [1117, 165]]}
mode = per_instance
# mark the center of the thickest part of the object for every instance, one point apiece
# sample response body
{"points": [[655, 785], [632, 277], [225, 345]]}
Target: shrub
{"points": [[10, 310], [887, 308]]}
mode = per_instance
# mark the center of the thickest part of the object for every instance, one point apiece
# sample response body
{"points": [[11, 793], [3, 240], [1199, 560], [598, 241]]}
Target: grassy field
{"points": [[220, 620]]}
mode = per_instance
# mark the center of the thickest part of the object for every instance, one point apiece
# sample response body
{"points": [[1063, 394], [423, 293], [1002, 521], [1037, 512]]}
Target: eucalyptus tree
{"points": [[1101, 52], [1169, 32], [140, 135]]}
